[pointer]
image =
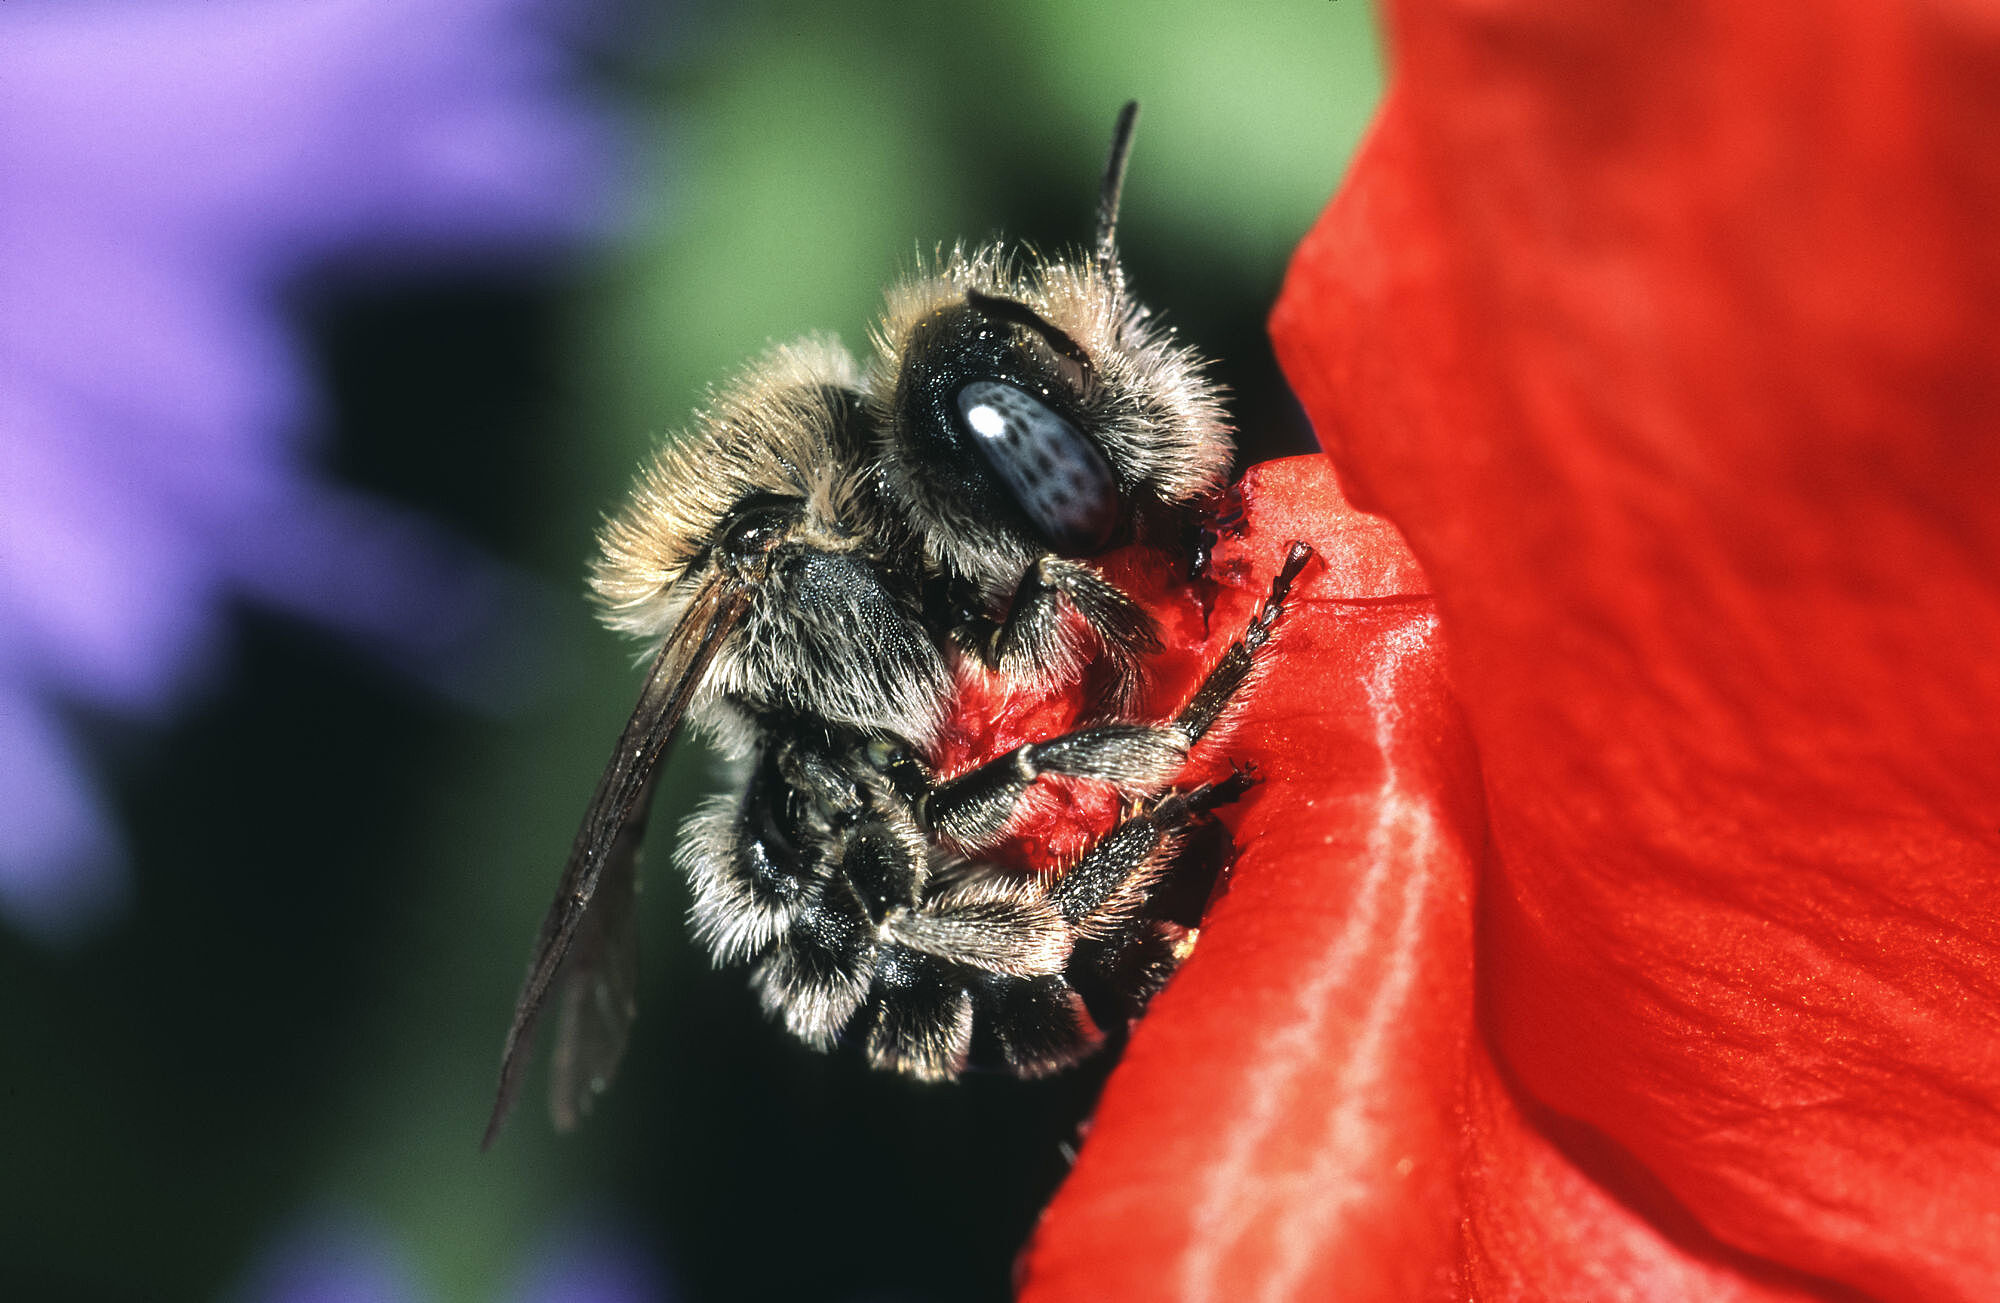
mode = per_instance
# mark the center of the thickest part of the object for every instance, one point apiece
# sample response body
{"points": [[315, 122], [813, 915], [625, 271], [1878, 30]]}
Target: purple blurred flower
{"points": [[339, 1257], [335, 1258], [591, 1261], [169, 168]]}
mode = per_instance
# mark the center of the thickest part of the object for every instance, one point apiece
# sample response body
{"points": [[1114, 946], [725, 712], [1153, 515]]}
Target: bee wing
{"points": [[607, 845], [597, 986]]}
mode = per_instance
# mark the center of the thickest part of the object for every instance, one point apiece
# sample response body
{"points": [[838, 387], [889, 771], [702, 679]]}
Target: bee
{"points": [[822, 561]]}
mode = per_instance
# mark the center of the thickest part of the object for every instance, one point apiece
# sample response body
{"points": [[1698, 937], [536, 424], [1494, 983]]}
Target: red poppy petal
{"points": [[1668, 336], [1274, 1088], [1545, 1219], [1307, 1111]]}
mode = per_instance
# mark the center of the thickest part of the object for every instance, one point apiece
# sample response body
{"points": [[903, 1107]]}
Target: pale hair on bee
{"points": [[819, 561], [1150, 410], [773, 427], [781, 450]]}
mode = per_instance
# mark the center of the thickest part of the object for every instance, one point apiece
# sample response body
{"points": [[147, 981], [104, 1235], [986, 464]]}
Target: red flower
{"points": [[1647, 945]]}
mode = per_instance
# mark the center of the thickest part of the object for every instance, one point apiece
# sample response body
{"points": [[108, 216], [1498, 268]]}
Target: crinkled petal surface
{"points": [[1669, 336], [1309, 1110], [1303, 1063]]}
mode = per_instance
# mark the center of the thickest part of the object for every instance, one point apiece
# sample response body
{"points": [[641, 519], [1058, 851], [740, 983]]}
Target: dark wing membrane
{"points": [[597, 987], [607, 838]]}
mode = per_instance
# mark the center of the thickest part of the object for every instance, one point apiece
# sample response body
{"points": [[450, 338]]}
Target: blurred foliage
{"points": [[339, 879]]}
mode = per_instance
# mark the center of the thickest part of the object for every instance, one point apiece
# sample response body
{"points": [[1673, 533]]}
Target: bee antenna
{"points": [[1114, 186]]}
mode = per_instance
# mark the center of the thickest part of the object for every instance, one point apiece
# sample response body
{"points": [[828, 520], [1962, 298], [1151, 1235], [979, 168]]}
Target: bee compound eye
{"points": [[756, 530], [1053, 472]]}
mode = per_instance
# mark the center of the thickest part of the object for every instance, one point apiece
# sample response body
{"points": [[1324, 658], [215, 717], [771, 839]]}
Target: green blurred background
{"points": [[339, 877]]}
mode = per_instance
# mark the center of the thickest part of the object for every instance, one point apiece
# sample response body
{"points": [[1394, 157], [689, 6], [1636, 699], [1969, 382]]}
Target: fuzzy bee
{"points": [[823, 561]]}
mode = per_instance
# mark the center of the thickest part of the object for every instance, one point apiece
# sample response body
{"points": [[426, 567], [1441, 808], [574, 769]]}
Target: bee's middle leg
{"points": [[973, 809]]}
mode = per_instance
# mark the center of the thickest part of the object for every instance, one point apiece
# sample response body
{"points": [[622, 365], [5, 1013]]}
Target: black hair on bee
{"points": [[818, 560]]}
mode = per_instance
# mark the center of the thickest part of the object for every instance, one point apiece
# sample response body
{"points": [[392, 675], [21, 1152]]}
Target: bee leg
{"points": [[751, 860], [1119, 977], [817, 974], [1037, 1024], [974, 977], [1031, 643], [979, 972], [819, 781], [974, 809], [975, 930], [1030, 1026], [932, 1019], [1229, 672], [919, 1017], [1128, 944], [1110, 884]]}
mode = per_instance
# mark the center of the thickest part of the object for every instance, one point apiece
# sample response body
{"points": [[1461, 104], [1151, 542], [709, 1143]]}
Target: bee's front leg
{"points": [[1032, 642]]}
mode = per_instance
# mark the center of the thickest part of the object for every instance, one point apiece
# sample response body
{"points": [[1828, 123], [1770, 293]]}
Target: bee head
{"points": [[1025, 405], [1033, 408]]}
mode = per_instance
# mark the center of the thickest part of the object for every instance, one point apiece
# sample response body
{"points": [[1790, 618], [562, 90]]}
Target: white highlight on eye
{"points": [[986, 420], [1050, 468]]}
